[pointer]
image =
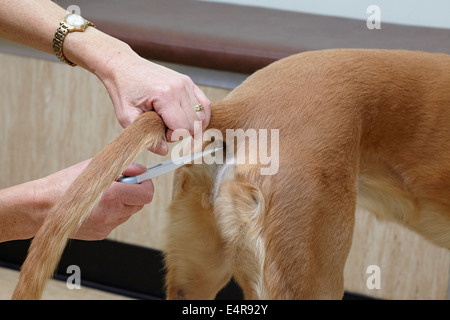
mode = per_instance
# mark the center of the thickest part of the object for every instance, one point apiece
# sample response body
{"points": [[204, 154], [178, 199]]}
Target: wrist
{"points": [[94, 51], [36, 207], [43, 200], [22, 210]]}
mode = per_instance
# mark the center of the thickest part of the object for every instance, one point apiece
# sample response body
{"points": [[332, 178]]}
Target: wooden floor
{"points": [[55, 290]]}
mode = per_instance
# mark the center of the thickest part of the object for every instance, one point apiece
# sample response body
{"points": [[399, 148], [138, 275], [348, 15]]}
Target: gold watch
{"points": [[72, 22]]}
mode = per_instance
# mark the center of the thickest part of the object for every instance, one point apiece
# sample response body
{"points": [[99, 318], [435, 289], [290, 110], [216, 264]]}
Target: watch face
{"points": [[75, 20]]}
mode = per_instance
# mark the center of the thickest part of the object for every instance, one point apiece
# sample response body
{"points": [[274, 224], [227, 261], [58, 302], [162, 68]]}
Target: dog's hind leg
{"points": [[285, 244], [194, 254], [240, 209], [307, 248]]}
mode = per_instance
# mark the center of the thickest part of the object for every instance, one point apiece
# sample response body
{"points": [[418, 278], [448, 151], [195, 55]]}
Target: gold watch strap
{"points": [[58, 41]]}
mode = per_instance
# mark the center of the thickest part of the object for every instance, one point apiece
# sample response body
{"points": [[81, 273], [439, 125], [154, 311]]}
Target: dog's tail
{"points": [[147, 131]]}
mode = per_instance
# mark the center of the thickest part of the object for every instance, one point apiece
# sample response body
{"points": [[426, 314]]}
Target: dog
{"points": [[357, 128]]}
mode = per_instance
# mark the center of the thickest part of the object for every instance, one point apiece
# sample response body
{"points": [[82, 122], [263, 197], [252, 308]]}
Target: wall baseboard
{"points": [[120, 268]]}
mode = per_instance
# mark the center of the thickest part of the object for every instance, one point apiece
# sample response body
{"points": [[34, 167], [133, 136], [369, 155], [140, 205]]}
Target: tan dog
{"points": [[366, 128], [357, 127]]}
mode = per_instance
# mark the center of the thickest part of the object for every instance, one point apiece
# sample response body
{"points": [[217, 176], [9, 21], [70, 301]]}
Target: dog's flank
{"points": [[366, 125], [147, 131]]}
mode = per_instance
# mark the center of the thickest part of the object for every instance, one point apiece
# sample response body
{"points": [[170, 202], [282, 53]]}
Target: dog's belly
{"points": [[385, 198]]}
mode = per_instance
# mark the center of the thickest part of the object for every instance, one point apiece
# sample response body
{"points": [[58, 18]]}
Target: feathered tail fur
{"points": [[147, 131]]}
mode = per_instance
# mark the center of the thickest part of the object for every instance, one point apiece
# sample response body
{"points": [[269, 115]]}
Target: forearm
{"points": [[34, 23], [22, 209], [30, 22], [134, 84]]}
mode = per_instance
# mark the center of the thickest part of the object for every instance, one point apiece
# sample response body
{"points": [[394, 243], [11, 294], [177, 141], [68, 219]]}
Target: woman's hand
{"points": [[134, 84], [117, 205], [137, 85]]}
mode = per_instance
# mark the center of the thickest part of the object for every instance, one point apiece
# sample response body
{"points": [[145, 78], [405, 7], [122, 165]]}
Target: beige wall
{"points": [[52, 116]]}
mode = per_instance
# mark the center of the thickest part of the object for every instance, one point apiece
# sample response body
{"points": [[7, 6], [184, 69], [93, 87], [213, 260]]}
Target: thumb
{"points": [[162, 149], [134, 169]]}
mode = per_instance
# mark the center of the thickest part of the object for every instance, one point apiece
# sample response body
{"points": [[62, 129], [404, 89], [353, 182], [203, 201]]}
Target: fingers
{"points": [[136, 194], [134, 169], [144, 86], [117, 205], [162, 149], [127, 115], [196, 97], [205, 114], [191, 102], [176, 107]]}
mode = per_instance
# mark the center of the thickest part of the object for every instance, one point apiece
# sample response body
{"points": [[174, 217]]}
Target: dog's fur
{"points": [[367, 128], [147, 131]]}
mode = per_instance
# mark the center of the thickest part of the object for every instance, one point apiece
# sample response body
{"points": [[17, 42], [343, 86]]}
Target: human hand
{"points": [[117, 205], [137, 85]]}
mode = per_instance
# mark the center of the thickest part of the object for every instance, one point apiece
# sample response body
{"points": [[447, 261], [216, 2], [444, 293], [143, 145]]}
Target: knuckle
{"points": [[206, 103], [123, 121], [147, 195], [147, 198], [108, 197], [201, 116], [182, 82], [163, 91], [138, 208], [102, 235]]}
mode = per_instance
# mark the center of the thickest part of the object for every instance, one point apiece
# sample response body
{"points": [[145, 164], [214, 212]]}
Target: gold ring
{"points": [[198, 107]]}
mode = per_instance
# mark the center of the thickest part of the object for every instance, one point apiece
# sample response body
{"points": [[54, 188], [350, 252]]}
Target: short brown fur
{"points": [[367, 128]]}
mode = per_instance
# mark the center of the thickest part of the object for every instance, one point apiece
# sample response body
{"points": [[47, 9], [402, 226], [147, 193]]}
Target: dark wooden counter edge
{"points": [[239, 38]]}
